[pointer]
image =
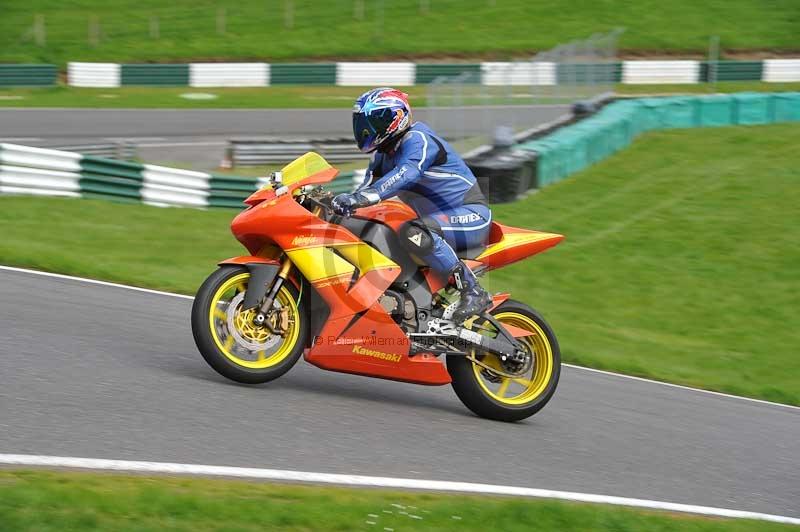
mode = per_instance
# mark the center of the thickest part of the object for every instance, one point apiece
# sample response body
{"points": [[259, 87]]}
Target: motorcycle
{"points": [[343, 293]]}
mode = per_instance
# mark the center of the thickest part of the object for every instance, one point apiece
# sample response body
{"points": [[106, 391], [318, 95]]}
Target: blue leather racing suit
{"points": [[427, 174]]}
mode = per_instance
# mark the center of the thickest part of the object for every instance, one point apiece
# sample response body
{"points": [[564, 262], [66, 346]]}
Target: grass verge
{"points": [[291, 97], [680, 262], [131, 30], [59, 501]]}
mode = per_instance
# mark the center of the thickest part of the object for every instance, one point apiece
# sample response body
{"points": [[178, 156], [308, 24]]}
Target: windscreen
{"points": [[302, 167]]}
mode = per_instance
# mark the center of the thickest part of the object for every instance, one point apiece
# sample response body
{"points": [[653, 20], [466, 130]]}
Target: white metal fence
{"points": [[574, 71]]}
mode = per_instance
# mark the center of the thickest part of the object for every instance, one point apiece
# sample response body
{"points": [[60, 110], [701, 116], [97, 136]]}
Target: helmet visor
{"points": [[369, 129]]}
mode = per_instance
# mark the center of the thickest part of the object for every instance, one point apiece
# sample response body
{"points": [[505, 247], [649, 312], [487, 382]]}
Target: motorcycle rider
{"points": [[411, 162]]}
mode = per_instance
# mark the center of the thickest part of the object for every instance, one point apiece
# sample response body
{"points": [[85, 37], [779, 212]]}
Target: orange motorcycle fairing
{"points": [[371, 343], [393, 213], [249, 259], [507, 245], [359, 336]]}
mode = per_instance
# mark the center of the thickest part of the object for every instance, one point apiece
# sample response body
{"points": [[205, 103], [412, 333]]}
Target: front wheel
{"points": [[499, 390], [230, 341]]}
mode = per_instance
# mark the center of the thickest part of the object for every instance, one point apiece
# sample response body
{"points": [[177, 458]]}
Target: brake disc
{"points": [[255, 338]]}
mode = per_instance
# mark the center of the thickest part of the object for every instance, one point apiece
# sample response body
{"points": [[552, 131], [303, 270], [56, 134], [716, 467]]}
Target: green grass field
{"points": [[49, 501], [294, 97], [285, 30], [680, 262]]}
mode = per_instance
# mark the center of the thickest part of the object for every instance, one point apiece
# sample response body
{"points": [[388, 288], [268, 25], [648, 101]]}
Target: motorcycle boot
{"points": [[474, 299]]}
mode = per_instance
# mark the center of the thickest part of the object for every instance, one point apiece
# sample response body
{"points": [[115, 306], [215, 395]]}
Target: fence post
{"points": [[381, 17], [288, 14], [713, 61], [94, 30], [155, 31], [221, 21], [39, 31]]}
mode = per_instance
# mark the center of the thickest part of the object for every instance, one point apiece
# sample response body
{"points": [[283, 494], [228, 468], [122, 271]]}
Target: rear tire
{"points": [[473, 383], [226, 353]]}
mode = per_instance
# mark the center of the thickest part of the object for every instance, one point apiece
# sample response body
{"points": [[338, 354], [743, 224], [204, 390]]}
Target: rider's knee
{"points": [[417, 237]]}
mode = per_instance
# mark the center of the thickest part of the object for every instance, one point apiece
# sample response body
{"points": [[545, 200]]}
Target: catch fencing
{"points": [[40, 171], [579, 70]]}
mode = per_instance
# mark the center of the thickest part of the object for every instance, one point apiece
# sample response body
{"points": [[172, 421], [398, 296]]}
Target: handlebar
{"points": [[321, 198]]}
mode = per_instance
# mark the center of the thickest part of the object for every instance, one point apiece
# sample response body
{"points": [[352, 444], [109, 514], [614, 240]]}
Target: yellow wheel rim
{"points": [[533, 382], [220, 316]]}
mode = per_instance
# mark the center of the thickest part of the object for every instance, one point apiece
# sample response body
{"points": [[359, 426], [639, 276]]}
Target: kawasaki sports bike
{"points": [[344, 294]]}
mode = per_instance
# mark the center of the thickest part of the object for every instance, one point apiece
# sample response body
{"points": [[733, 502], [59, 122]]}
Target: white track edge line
{"points": [[93, 281], [604, 372], [378, 482], [682, 387]]}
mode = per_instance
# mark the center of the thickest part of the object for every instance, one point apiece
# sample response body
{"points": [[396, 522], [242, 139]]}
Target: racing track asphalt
{"points": [[105, 372], [198, 137]]}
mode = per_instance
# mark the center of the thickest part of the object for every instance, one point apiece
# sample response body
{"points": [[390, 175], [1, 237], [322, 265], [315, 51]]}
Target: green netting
{"points": [[787, 107], [753, 108], [679, 112], [571, 149], [715, 110]]}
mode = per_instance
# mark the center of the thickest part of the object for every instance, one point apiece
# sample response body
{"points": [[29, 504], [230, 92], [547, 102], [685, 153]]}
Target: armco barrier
{"points": [[27, 170], [28, 75], [303, 74], [574, 147], [731, 71], [782, 70], [520, 73], [541, 73], [158, 75], [656, 72], [93, 74], [387, 74], [228, 75], [256, 151]]}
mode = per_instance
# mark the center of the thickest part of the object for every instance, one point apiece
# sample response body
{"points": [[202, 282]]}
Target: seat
{"points": [[470, 253]]}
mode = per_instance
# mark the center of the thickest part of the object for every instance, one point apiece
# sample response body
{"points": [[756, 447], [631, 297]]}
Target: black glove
{"points": [[345, 204]]}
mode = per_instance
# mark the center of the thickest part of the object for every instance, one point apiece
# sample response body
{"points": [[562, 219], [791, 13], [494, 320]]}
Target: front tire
{"points": [[231, 343], [494, 396]]}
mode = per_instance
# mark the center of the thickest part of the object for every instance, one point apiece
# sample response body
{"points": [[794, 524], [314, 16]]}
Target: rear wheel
{"points": [[230, 341], [499, 390]]}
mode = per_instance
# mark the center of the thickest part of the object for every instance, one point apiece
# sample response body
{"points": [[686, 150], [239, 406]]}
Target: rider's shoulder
{"points": [[418, 136]]}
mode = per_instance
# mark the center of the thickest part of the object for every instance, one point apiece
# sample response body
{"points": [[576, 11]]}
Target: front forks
{"points": [[265, 307]]}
